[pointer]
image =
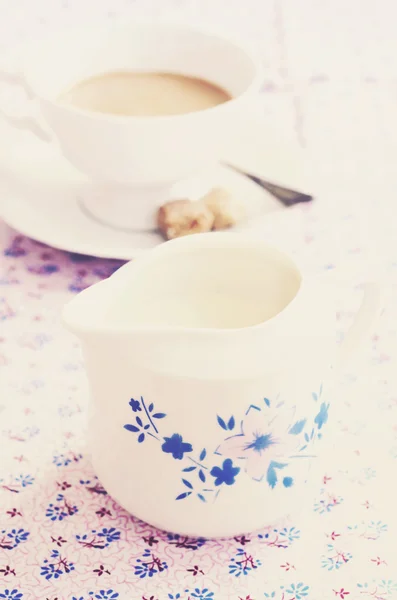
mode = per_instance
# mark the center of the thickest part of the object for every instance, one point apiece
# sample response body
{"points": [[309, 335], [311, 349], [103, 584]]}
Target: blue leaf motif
{"points": [[139, 421], [271, 476], [187, 483], [297, 428], [132, 428], [322, 417], [182, 496], [151, 407], [266, 401], [231, 423], [141, 438], [189, 469], [203, 454], [159, 416], [202, 476], [222, 423], [201, 497]]}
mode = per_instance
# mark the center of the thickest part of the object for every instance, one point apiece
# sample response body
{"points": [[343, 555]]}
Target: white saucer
{"points": [[41, 194]]}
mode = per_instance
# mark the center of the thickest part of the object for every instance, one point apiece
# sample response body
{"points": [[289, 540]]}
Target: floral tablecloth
{"points": [[61, 536]]}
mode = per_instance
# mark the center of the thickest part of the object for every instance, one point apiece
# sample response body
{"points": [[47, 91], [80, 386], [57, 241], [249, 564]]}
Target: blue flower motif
{"points": [[322, 417], [58, 512], [378, 527], [335, 562], [387, 586], [111, 534], [242, 563], [150, 566], [204, 594], [105, 595], [291, 534], [176, 446], [94, 540], [60, 460], [55, 569], [226, 473], [135, 405], [15, 250], [299, 590], [12, 594], [19, 535], [324, 506], [14, 537], [181, 541], [24, 480]]}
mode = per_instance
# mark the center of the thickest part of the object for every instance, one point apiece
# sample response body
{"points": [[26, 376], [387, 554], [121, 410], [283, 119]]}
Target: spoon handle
{"points": [[285, 195]]}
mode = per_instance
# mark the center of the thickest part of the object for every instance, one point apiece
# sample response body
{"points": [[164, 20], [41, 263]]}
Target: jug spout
{"points": [[90, 312], [86, 313]]}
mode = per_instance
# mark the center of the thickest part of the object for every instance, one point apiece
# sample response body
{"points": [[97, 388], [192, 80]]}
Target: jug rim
{"points": [[196, 241]]}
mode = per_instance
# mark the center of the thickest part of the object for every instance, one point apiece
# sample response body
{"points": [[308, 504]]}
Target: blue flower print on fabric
{"points": [[204, 594], [55, 566], [105, 595], [11, 539], [61, 509], [11, 594], [99, 539], [149, 565], [243, 563], [298, 590], [24, 480], [295, 591]]}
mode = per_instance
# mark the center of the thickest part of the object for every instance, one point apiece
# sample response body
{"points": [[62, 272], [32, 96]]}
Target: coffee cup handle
{"points": [[34, 124], [363, 324]]}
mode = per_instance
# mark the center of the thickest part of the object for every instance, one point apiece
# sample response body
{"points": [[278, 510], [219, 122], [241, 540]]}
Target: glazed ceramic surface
{"points": [[45, 198], [136, 160], [209, 361]]}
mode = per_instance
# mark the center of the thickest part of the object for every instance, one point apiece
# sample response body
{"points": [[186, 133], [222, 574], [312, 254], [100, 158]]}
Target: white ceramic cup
{"points": [[209, 360], [134, 160]]}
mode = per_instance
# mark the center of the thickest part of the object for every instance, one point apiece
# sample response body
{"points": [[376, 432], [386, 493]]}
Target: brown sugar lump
{"points": [[226, 210], [184, 217]]}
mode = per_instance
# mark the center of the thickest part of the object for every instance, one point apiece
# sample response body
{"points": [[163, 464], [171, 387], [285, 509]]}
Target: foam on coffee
{"points": [[135, 93]]}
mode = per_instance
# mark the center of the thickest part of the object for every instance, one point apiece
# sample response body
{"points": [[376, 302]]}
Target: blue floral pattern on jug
{"points": [[264, 445]]}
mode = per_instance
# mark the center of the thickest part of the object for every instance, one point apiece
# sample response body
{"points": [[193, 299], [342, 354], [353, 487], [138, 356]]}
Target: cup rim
{"points": [[229, 39]]}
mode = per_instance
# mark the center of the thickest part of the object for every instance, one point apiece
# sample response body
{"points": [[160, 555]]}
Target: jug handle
{"points": [[364, 322]]}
